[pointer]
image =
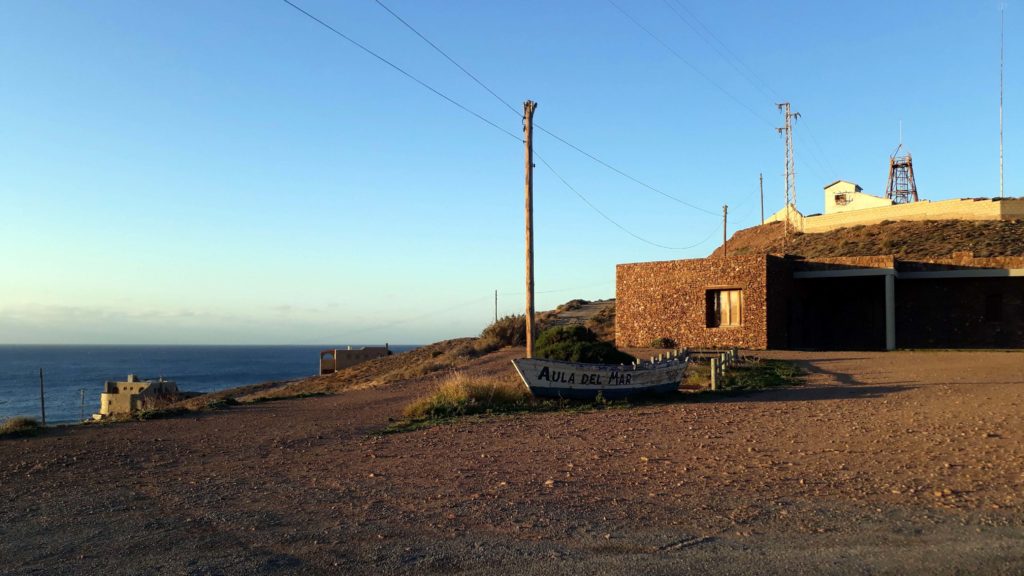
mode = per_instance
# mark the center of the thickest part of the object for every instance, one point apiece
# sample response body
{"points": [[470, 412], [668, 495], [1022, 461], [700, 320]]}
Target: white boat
{"points": [[556, 379]]}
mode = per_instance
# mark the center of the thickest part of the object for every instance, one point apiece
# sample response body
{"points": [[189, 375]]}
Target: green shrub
{"points": [[663, 343], [577, 344], [507, 331], [19, 426]]}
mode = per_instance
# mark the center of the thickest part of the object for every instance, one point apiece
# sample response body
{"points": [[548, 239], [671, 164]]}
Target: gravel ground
{"points": [[904, 462]]}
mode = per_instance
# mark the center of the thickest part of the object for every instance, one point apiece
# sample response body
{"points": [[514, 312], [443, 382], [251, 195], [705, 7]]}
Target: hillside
{"points": [[430, 362], [925, 239]]}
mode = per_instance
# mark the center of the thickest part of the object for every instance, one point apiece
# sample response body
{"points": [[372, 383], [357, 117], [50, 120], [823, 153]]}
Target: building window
{"points": [[994, 308], [725, 308]]}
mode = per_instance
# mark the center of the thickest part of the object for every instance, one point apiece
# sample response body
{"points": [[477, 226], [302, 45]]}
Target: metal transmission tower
{"points": [[901, 188], [787, 131]]}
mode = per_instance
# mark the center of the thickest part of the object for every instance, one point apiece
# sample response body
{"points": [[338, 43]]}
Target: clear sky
{"points": [[231, 172]]}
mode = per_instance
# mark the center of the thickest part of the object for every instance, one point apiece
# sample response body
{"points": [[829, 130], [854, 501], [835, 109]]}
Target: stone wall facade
{"points": [[826, 303], [669, 300]]}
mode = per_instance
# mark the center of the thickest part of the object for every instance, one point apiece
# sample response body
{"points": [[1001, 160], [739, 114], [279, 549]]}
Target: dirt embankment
{"points": [[927, 239]]}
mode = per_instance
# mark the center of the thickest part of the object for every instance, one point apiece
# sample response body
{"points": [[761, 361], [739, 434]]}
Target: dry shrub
{"points": [[417, 370], [506, 331], [571, 305], [663, 343], [151, 402], [19, 426], [603, 323], [461, 394]]}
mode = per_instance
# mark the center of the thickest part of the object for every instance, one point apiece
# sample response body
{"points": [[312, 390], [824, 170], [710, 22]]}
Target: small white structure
{"points": [[844, 196]]}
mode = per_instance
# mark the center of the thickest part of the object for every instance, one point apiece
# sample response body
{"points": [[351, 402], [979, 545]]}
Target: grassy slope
{"points": [[928, 239]]}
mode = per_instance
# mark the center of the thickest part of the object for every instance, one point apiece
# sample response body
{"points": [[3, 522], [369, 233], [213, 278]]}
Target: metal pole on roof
{"points": [[760, 183], [725, 228]]}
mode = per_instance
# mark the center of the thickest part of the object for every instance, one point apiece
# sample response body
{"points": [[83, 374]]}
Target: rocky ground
{"points": [[904, 462]]}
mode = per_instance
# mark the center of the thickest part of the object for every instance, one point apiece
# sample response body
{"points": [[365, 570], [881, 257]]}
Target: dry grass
{"points": [[19, 426], [460, 394], [907, 240]]}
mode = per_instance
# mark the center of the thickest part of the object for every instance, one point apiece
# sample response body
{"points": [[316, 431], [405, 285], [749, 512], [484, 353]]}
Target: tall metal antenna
{"points": [[901, 187], [787, 132], [1002, 10]]}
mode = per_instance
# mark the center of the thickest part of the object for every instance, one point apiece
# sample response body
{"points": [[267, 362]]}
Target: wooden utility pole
{"points": [[760, 183], [725, 228], [495, 305], [42, 397], [528, 107]]}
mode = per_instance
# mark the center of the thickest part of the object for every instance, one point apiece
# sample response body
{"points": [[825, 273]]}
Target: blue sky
{"points": [[231, 172]]}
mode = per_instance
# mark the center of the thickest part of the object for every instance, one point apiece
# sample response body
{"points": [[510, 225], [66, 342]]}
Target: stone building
{"points": [[338, 359], [865, 302], [133, 394], [857, 303]]}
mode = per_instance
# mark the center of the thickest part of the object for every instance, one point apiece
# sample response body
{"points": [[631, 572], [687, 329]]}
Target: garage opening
{"points": [[845, 313]]}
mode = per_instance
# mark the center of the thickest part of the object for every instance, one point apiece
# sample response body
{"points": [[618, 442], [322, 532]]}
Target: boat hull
{"points": [[554, 379]]}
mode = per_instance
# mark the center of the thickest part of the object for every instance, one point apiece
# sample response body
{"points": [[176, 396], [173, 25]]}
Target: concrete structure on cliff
{"points": [[843, 196], [858, 303], [336, 359], [134, 394], [863, 209]]}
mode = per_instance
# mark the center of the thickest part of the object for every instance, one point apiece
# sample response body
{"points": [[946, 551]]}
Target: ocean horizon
{"points": [[70, 369]]}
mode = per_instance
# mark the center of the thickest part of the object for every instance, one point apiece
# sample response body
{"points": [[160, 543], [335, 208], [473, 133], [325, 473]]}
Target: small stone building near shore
{"points": [[133, 394], [854, 303], [338, 359]]}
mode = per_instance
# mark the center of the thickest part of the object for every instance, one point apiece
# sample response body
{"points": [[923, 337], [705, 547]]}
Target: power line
{"points": [[759, 84], [402, 71], [443, 53], [824, 157], [690, 65], [538, 126], [609, 219], [704, 37], [620, 172], [605, 283], [750, 75]]}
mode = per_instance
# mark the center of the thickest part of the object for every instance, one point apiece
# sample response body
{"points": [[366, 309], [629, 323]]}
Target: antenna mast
{"points": [[1002, 10], [787, 132], [901, 187]]}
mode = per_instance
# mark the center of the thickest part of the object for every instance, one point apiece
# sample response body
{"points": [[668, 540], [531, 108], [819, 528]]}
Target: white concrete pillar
{"points": [[890, 311]]}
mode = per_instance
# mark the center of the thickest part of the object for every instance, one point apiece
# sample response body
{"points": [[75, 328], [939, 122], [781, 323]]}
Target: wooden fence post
{"points": [[714, 374]]}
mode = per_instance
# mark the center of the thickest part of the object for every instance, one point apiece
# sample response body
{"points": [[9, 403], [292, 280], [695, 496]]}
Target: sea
{"points": [[73, 376]]}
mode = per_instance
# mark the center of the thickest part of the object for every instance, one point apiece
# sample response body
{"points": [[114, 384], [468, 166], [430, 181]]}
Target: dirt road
{"points": [[905, 462]]}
